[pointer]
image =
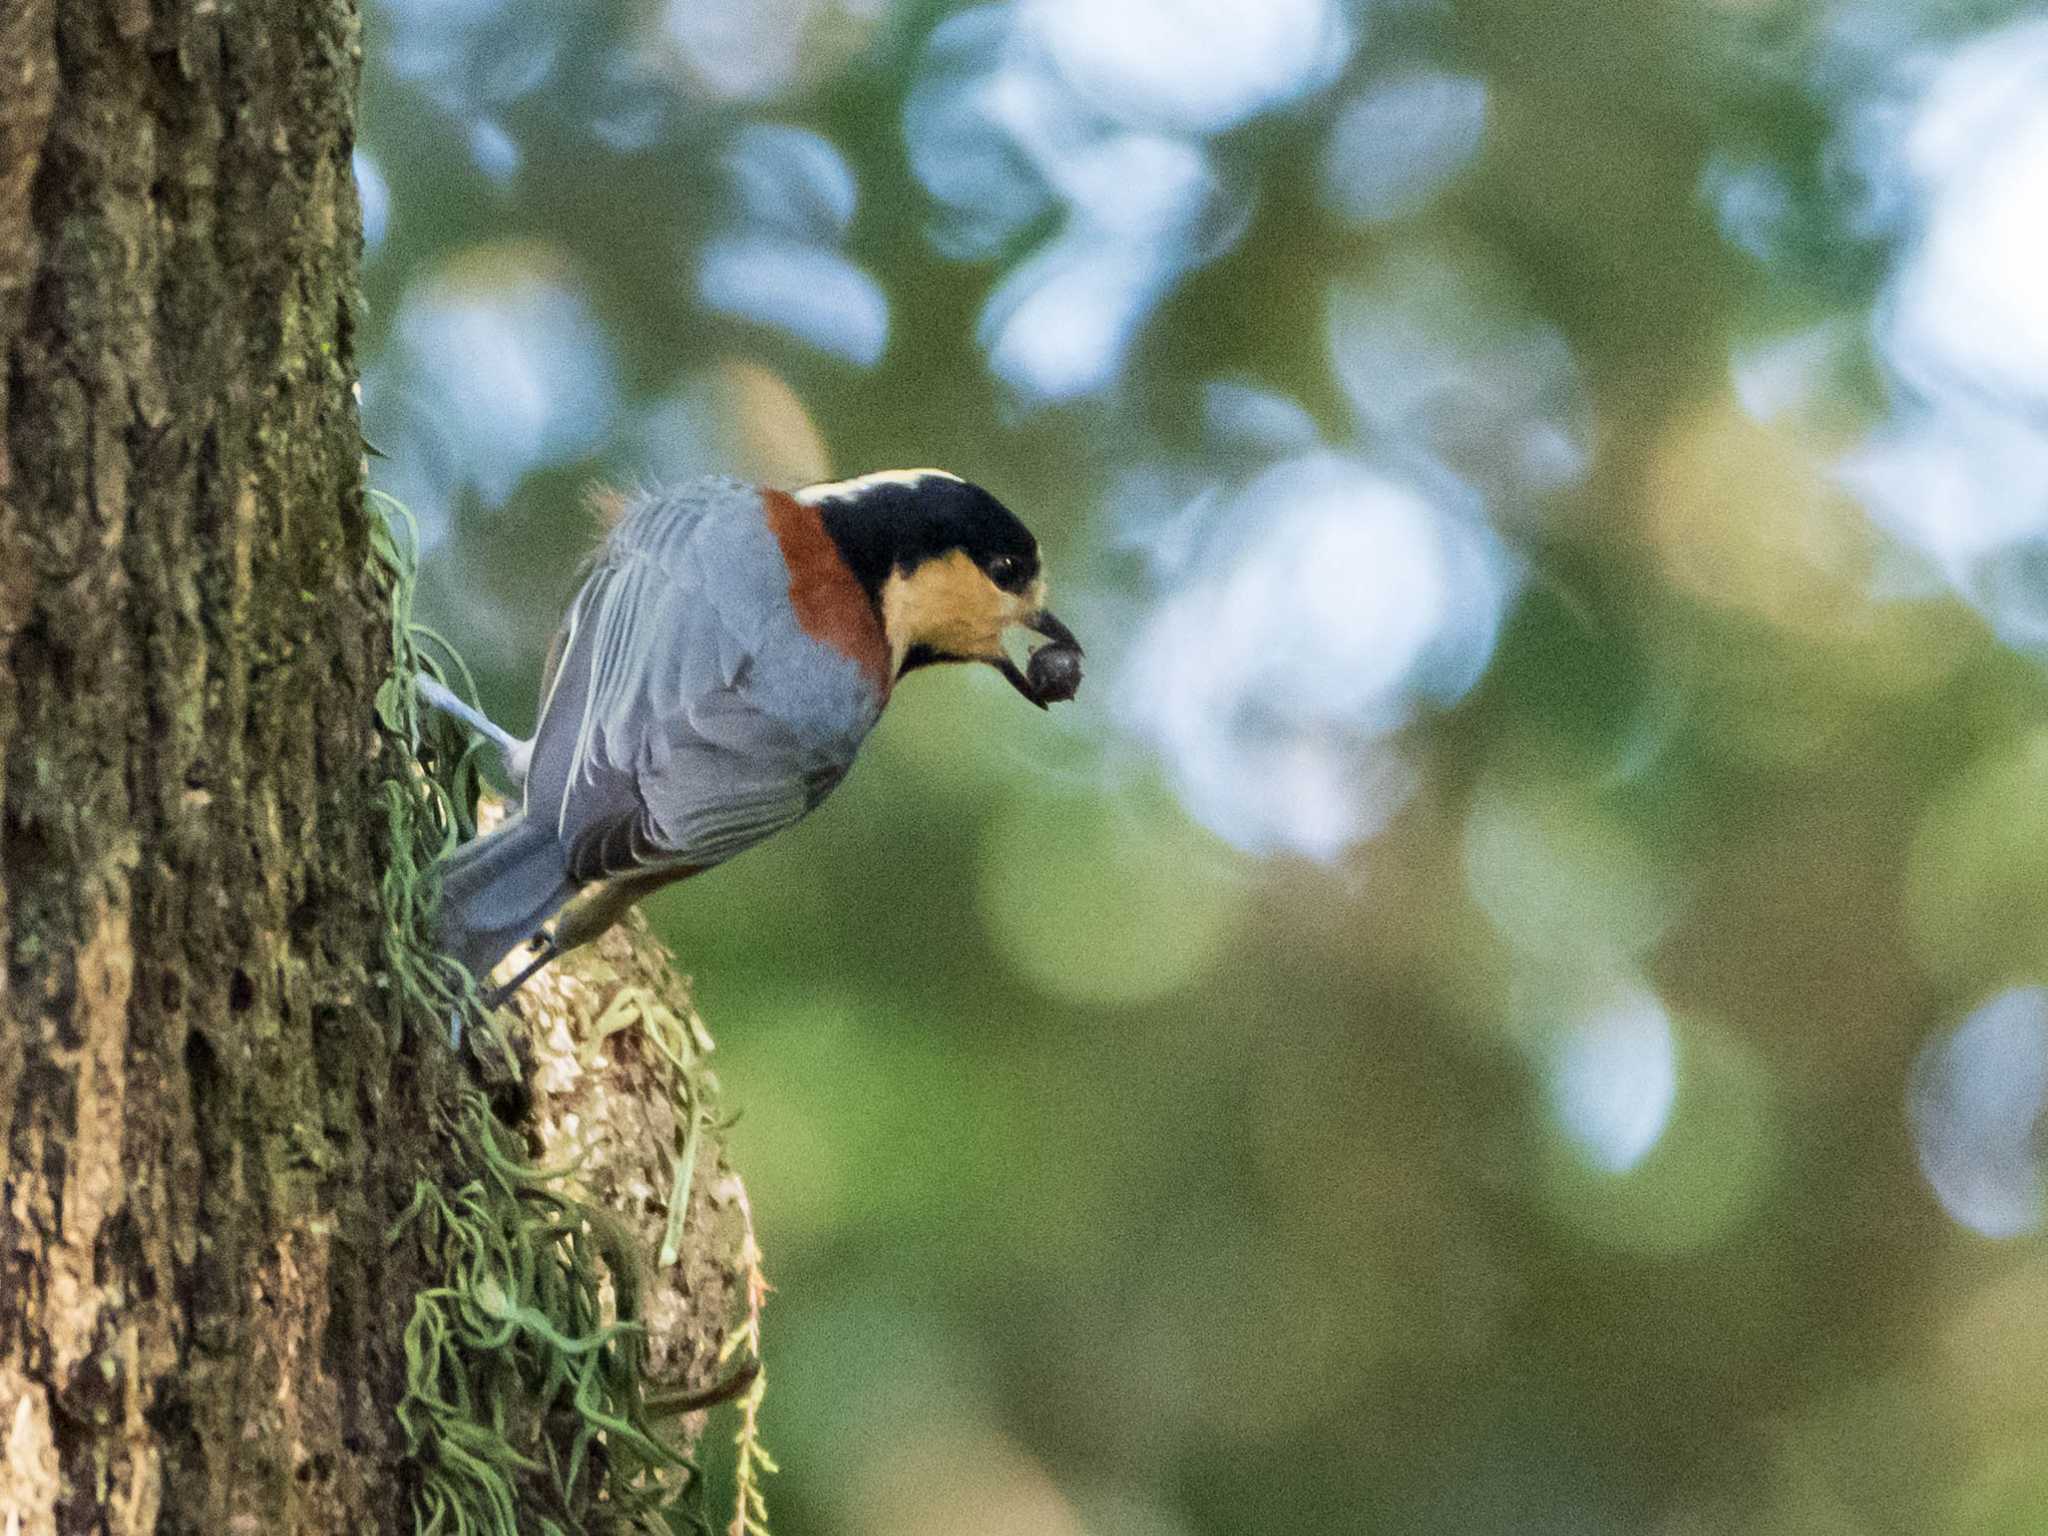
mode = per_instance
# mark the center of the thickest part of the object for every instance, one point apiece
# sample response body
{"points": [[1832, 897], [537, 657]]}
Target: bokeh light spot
{"points": [[494, 150], [1968, 305], [1612, 1080], [498, 365], [1975, 1103], [736, 417], [757, 50], [373, 192], [1101, 902], [1744, 516], [1954, 155], [1976, 887], [812, 294], [1439, 348], [790, 181], [1397, 143], [960, 126], [1331, 603], [1713, 1164], [1195, 66], [1060, 325], [1560, 875], [1751, 520]]}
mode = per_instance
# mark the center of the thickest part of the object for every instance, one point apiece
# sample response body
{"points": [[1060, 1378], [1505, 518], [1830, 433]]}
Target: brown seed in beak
{"points": [[1055, 672]]}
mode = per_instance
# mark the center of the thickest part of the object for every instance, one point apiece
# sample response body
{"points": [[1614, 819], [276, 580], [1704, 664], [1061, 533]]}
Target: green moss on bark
{"points": [[222, 1064], [203, 1130]]}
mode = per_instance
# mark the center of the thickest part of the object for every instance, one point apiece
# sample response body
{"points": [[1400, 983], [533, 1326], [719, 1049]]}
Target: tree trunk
{"points": [[213, 1113], [201, 1133]]}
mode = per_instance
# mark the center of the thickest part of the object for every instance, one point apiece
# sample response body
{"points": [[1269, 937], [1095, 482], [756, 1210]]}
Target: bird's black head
{"points": [[897, 520], [948, 567]]}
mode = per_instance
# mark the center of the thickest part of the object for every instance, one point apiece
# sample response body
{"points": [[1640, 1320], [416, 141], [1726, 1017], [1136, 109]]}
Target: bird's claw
{"points": [[498, 997]]}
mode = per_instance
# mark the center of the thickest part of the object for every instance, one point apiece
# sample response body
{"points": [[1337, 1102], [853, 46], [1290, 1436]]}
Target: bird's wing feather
{"points": [[649, 751]]}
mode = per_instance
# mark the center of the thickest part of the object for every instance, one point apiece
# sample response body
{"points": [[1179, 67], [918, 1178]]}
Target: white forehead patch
{"points": [[839, 490]]}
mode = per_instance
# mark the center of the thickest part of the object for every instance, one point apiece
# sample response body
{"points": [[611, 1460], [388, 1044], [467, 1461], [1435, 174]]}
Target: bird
{"points": [[728, 651]]}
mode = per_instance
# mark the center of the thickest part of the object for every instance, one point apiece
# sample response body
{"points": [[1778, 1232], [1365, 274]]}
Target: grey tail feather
{"points": [[498, 890]]}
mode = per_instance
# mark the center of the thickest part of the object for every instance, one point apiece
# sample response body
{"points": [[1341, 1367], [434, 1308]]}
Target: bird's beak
{"points": [[1018, 680], [1044, 622], [1053, 630]]}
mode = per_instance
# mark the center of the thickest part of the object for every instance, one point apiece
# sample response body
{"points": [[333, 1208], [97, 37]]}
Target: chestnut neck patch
{"points": [[833, 606]]}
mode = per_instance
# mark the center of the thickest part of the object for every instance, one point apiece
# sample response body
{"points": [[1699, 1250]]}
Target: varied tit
{"points": [[730, 649]]}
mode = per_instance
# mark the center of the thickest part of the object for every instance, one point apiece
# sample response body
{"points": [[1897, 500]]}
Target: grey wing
{"points": [[725, 778], [647, 753], [708, 806]]}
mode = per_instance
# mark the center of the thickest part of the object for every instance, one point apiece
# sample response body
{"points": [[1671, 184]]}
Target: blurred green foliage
{"points": [[1508, 1003]]}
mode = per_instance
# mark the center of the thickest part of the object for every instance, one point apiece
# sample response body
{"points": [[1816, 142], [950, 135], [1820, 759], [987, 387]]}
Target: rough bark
{"points": [[199, 1134], [209, 1117]]}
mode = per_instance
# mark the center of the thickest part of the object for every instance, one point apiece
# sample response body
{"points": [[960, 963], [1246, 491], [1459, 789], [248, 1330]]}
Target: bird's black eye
{"points": [[1008, 572]]}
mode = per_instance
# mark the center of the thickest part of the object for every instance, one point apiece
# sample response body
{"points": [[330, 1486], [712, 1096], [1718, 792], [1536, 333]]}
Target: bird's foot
{"points": [[498, 997]]}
